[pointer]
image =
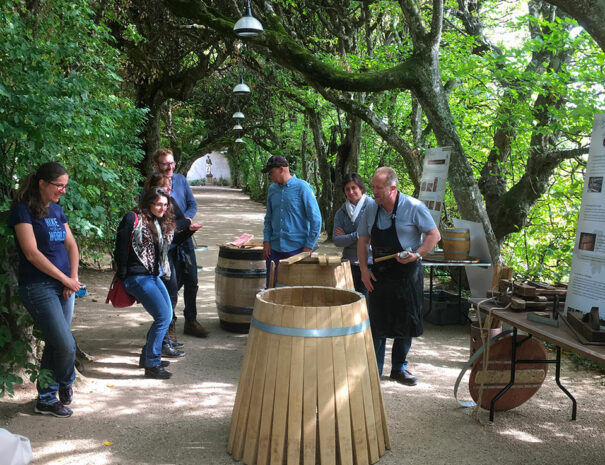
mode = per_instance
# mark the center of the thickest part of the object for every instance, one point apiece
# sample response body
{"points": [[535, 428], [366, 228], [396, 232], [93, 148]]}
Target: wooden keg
{"points": [[309, 389], [456, 243], [309, 272], [239, 274]]}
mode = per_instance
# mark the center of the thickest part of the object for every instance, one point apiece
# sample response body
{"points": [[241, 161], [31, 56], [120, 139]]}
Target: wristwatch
{"points": [[418, 257]]}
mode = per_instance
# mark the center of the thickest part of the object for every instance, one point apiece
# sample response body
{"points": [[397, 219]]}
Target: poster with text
{"points": [[587, 277], [434, 177]]}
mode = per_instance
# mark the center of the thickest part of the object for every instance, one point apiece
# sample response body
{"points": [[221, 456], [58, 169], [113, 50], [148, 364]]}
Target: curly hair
{"points": [[144, 209]]}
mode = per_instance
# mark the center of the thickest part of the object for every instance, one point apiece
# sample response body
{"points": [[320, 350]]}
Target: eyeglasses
{"points": [[167, 164], [61, 187], [160, 205]]}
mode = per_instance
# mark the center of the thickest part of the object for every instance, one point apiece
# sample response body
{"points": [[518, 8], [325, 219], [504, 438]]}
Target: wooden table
{"points": [[559, 336]]}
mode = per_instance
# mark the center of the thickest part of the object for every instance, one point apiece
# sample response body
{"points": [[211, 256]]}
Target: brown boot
{"points": [[193, 328], [172, 331]]}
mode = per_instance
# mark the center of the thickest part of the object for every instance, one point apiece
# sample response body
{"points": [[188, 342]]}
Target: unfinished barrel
{"points": [[239, 274], [456, 243], [309, 389], [310, 272]]}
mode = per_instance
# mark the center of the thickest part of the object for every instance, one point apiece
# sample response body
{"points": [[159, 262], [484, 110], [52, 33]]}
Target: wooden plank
{"points": [[258, 386], [325, 392], [295, 258], [272, 275], [241, 241], [310, 392], [343, 414], [296, 392], [264, 439], [354, 368], [282, 387], [334, 260], [535, 376]]}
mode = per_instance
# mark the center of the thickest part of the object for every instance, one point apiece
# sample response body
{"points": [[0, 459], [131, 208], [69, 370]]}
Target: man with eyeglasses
{"points": [[183, 255]]}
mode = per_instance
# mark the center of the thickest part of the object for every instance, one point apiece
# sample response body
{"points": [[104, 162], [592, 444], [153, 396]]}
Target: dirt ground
{"points": [[121, 417]]}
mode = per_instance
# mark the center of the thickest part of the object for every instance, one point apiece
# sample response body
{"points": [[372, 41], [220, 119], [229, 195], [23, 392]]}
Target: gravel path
{"points": [[120, 417]]}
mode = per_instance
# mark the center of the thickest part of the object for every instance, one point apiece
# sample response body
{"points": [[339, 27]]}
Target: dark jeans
{"points": [[357, 282], [401, 347], [276, 257], [52, 314], [185, 267]]}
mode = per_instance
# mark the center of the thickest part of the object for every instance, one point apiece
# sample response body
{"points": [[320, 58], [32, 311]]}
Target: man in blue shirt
{"points": [[293, 220], [393, 223], [182, 255]]}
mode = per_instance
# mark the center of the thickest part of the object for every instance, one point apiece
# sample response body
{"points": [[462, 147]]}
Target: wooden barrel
{"points": [[309, 389], [239, 275], [309, 272], [456, 243]]}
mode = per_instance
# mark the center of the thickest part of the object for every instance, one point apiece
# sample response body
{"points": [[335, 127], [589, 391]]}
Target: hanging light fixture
{"points": [[241, 88], [238, 127], [238, 115], [239, 140], [248, 25]]}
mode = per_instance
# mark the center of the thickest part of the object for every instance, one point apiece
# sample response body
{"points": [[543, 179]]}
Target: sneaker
{"points": [[66, 395], [193, 328], [56, 409], [174, 343], [169, 351], [163, 363], [157, 372], [404, 377]]}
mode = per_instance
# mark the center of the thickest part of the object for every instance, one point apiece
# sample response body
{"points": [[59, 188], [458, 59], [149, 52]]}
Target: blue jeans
{"points": [[52, 315], [152, 293], [401, 347]]}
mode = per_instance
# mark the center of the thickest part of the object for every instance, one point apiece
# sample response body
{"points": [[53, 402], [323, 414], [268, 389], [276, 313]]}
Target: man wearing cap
{"points": [[183, 255], [393, 223], [293, 220]]}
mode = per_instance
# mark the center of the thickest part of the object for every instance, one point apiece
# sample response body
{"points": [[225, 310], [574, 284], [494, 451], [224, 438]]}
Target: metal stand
{"points": [[513, 364]]}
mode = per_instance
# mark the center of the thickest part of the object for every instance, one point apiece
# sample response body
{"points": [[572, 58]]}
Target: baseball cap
{"points": [[274, 162]]}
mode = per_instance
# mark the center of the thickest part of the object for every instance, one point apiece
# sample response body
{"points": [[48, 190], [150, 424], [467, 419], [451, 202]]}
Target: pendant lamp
{"points": [[248, 25], [239, 140], [238, 127], [241, 88], [238, 115]]}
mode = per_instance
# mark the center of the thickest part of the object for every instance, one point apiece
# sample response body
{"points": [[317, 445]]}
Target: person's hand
{"points": [[409, 259], [367, 277], [67, 293], [266, 250], [194, 226], [339, 232], [307, 249], [72, 284]]}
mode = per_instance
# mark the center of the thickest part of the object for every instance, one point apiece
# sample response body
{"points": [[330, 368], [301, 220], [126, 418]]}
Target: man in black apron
{"points": [[395, 223]]}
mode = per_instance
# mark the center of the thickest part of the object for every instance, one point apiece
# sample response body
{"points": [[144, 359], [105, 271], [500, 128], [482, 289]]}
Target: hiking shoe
{"points": [[157, 372], [193, 328], [404, 377], [169, 351], [172, 331], [174, 343], [163, 363], [56, 409], [66, 395]]}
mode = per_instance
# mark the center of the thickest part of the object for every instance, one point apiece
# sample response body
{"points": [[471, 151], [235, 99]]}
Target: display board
{"points": [[434, 177], [587, 277]]}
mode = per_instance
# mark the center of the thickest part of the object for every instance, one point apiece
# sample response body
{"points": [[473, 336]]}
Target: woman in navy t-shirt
{"points": [[48, 278]]}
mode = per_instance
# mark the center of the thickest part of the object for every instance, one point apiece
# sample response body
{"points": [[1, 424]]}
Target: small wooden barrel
{"points": [[309, 272], [309, 390], [239, 275], [456, 243]]}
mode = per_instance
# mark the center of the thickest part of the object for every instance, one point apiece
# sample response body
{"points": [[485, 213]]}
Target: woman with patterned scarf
{"points": [[141, 256]]}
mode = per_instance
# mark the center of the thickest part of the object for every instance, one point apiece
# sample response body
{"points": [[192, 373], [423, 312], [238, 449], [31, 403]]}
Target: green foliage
{"points": [[60, 99], [197, 182]]}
